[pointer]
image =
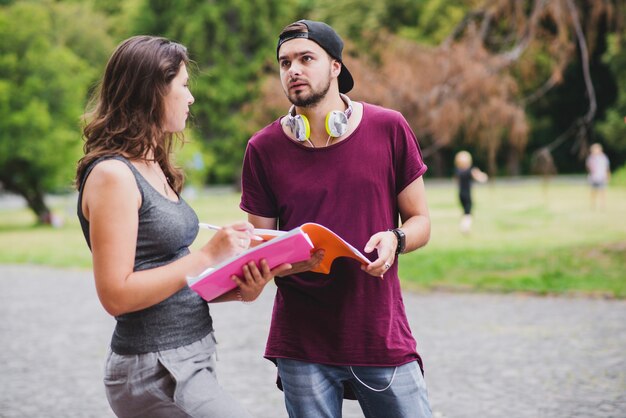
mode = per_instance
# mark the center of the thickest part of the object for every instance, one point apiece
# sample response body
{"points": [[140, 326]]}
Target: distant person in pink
{"points": [[599, 174], [357, 169]]}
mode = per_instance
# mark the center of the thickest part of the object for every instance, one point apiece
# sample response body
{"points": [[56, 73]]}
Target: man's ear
{"points": [[335, 67]]}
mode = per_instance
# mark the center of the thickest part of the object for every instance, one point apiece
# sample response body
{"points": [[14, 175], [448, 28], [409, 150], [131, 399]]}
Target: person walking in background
{"points": [[599, 174], [465, 174], [355, 168], [161, 362]]}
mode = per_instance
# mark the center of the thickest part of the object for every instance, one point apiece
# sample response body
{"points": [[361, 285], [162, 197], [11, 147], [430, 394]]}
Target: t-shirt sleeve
{"points": [[409, 164], [257, 197]]}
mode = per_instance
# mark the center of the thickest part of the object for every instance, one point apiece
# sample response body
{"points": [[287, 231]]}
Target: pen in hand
{"points": [[217, 228]]}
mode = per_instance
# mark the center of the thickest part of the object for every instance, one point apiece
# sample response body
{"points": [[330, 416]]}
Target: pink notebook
{"points": [[290, 247]]}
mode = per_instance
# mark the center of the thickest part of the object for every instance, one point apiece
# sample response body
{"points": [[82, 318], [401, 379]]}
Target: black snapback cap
{"points": [[327, 38]]}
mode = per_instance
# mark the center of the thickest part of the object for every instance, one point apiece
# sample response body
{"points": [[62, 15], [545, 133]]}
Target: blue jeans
{"points": [[316, 390]]}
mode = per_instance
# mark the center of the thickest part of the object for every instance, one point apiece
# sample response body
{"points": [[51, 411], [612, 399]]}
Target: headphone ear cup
{"points": [[336, 123], [301, 128]]}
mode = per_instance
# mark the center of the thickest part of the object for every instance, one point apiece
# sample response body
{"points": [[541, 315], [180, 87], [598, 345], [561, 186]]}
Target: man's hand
{"points": [[385, 243], [310, 264]]}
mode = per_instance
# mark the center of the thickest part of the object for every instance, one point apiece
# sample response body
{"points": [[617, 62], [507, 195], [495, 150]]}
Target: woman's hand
{"points": [[255, 279], [229, 241]]}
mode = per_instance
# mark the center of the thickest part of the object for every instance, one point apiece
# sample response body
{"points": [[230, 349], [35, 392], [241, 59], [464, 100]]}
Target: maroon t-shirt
{"points": [[346, 317]]}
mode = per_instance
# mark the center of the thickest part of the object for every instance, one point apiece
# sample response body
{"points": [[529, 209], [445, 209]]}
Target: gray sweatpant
{"points": [[180, 382]]}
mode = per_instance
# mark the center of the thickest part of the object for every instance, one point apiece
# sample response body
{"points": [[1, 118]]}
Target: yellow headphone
{"points": [[336, 122]]}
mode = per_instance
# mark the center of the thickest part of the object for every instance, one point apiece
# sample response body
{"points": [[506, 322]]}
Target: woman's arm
{"points": [[110, 202]]}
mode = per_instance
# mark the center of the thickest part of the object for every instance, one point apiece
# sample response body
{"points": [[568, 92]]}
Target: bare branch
{"points": [[581, 126], [433, 148], [462, 25], [540, 92], [584, 55], [485, 26], [512, 55]]}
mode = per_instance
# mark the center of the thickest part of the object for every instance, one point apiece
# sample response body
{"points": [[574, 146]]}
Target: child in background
{"points": [[465, 174]]}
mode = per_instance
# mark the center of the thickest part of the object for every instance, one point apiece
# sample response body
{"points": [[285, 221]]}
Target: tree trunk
{"points": [[436, 166], [36, 202], [17, 179], [513, 162]]}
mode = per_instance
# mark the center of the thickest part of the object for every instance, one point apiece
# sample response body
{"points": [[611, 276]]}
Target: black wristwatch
{"points": [[401, 237]]}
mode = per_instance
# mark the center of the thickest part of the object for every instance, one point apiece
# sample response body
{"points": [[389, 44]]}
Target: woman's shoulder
{"points": [[111, 172], [109, 184]]}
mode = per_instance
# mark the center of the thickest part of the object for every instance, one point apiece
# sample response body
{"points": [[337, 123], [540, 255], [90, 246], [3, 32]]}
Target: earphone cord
{"points": [[371, 388], [313, 145]]}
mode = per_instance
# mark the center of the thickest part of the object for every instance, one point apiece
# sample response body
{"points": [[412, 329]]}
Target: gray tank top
{"points": [[166, 230]]}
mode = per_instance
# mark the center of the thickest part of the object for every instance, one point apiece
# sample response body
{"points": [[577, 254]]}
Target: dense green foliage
{"points": [[47, 53]]}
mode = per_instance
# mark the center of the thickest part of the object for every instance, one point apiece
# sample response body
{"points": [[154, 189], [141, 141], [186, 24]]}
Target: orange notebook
{"points": [[322, 237]]}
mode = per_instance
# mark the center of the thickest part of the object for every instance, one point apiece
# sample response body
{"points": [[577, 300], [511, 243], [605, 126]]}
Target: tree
{"points": [[43, 85], [231, 41], [541, 43]]}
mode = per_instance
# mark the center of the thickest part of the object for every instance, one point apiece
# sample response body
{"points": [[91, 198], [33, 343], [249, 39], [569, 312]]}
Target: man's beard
{"points": [[312, 100]]}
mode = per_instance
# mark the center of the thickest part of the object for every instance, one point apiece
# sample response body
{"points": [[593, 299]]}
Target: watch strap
{"points": [[401, 237]]}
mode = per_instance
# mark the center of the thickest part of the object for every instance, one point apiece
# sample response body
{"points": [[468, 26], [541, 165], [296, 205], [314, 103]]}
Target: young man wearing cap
{"points": [[354, 168]]}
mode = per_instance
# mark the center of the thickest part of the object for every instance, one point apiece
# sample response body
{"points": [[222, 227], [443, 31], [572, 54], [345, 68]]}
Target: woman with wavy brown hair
{"points": [[161, 362]]}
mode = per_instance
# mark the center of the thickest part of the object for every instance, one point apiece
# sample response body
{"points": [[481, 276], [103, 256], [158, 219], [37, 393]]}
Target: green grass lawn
{"points": [[526, 237]]}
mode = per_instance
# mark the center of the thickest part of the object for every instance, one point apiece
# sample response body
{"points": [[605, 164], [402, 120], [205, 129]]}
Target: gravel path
{"points": [[488, 356]]}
